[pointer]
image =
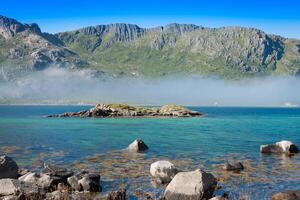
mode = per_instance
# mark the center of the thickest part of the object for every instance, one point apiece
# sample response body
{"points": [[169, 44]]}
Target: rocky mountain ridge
{"points": [[129, 50]]}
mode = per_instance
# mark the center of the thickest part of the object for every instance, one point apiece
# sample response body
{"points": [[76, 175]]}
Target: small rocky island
{"points": [[124, 110]]}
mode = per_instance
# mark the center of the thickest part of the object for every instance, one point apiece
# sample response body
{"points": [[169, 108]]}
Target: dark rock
{"points": [[8, 167], [117, 195], [287, 195], [233, 166], [138, 145]]}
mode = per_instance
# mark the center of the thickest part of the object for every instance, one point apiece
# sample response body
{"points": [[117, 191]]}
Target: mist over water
{"points": [[61, 86]]}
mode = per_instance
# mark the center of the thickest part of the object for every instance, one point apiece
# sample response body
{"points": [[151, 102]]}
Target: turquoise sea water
{"points": [[207, 142]]}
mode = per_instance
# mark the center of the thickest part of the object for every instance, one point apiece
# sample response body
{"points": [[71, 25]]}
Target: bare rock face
{"points": [[8, 167], [286, 147], [287, 195], [192, 185], [138, 145], [163, 171]]}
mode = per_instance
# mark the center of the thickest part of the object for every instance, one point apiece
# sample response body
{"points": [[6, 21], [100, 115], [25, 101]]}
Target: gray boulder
{"points": [[44, 181], [10, 188], [138, 145], [287, 195], [233, 166], [8, 167], [73, 182], [90, 182], [287, 147], [163, 171], [193, 185]]}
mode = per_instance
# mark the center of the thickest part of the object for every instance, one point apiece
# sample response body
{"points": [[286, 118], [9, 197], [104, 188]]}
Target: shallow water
{"points": [[207, 142]]}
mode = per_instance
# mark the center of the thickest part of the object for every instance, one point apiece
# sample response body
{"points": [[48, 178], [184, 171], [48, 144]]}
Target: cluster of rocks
{"points": [[124, 110], [53, 182]]}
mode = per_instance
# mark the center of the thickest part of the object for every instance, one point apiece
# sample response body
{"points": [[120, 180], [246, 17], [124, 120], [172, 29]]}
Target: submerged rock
{"points": [[191, 185], [163, 171], [58, 171], [8, 167], [137, 145], [280, 147], [124, 110], [287, 195], [233, 166], [117, 195]]}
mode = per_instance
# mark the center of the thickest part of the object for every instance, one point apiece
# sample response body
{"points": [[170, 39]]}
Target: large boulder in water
{"points": [[287, 195], [287, 147], [192, 185], [138, 145], [8, 167], [163, 171]]}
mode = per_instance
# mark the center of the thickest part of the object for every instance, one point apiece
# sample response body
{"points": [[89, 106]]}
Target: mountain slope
{"points": [[24, 48], [129, 50], [184, 49]]}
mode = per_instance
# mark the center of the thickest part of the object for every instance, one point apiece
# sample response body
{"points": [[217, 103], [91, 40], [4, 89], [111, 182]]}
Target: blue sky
{"points": [[278, 17]]}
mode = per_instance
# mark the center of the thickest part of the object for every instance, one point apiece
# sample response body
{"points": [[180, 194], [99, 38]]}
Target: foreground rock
{"points": [[192, 185], [15, 189], [8, 167], [43, 181], [280, 147], [287, 195], [124, 110], [233, 166], [138, 146], [163, 171]]}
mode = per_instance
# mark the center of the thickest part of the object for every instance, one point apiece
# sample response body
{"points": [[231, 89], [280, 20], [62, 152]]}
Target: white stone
{"points": [[192, 185], [163, 170]]}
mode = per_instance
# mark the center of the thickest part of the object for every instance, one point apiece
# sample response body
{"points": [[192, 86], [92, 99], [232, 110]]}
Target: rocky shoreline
{"points": [[124, 110], [56, 182]]}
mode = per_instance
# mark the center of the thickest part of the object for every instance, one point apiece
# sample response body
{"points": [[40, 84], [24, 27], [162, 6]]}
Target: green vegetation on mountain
{"points": [[128, 50]]}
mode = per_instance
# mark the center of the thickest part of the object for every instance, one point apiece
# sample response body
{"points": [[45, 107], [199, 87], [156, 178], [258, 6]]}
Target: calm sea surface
{"points": [[207, 142]]}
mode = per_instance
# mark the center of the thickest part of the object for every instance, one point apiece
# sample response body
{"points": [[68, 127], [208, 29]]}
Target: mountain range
{"points": [[128, 50]]}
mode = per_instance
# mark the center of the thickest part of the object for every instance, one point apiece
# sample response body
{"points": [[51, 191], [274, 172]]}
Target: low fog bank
{"points": [[60, 86]]}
